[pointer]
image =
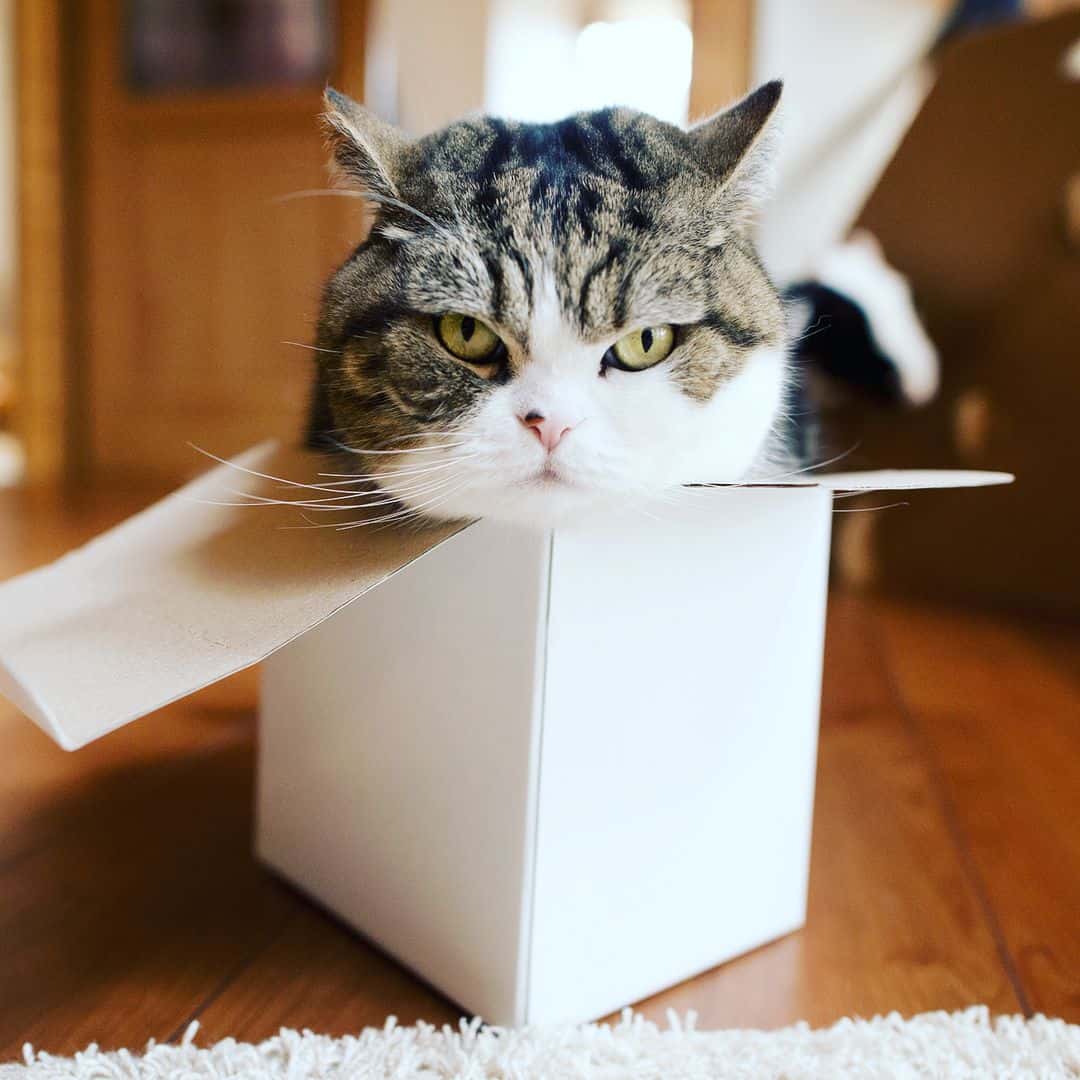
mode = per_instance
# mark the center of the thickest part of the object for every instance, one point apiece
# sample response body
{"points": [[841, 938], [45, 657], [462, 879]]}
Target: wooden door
{"points": [[196, 262]]}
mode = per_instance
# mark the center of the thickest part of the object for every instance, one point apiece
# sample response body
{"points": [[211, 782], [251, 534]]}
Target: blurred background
{"points": [[164, 230]]}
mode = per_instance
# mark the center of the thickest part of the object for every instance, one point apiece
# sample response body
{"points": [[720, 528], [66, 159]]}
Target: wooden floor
{"points": [[946, 864]]}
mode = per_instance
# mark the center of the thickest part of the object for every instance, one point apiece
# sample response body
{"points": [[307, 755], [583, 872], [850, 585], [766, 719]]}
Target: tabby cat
{"points": [[550, 319]]}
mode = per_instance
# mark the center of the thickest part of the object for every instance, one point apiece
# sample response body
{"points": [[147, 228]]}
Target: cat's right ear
{"points": [[736, 147], [367, 151]]}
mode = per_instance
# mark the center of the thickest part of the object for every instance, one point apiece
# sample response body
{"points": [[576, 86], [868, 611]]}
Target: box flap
{"points": [[880, 480], [182, 595], [209, 581], [912, 479]]}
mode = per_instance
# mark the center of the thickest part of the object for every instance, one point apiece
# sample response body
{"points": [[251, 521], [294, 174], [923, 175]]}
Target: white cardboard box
{"points": [[551, 772]]}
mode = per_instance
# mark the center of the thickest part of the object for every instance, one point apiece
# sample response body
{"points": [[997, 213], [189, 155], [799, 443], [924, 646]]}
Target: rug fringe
{"points": [[966, 1045]]}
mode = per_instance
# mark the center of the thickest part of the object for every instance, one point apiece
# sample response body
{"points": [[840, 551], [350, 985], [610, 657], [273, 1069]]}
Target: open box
{"points": [[552, 772]]}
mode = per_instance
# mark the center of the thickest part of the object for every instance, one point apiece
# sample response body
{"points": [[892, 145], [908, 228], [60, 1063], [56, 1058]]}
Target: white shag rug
{"points": [[940, 1045]]}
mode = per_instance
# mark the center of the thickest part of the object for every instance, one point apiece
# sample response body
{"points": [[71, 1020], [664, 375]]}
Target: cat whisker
{"points": [[645, 513], [396, 494], [254, 499], [363, 501], [312, 348], [419, 515], [404, 513], [820, 324], [868, 509], [253, 472], [375, 505], [339, 486], [322, 505], [370, 197], [407, 450], [309, 193], [806, 468], [386, 200], [409, 469], [426, 435], [409, 512], [352, 500]]}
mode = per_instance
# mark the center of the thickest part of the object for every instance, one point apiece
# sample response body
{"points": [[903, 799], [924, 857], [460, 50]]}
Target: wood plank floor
{"points": [[946, 864]]}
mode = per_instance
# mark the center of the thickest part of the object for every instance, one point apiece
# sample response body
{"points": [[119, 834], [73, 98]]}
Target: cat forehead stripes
{"points": [[572, 199], [614, 204], [561, 167], [590, 197]]}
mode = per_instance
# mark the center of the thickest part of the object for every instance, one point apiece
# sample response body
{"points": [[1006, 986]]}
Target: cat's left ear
{"points": [[366, 150], [736, 147]]}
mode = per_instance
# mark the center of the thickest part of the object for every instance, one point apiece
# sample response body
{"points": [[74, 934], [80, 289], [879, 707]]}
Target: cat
{"points": [[547, 320]]}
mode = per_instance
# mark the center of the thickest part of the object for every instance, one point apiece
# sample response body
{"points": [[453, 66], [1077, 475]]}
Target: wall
{"points": [[429, 63]]}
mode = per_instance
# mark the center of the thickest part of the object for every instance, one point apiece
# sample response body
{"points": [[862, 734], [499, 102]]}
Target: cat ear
{"points": [[366, 150], [735, 145]]}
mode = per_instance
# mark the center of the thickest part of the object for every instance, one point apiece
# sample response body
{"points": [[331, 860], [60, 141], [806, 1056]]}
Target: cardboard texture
{"points": [[522, 751], [180, 596]]}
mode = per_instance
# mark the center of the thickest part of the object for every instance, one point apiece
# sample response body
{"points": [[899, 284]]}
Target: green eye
{"points": [[642, 348], [468, 338]]}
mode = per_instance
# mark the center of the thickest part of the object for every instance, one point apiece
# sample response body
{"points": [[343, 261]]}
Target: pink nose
{"points": [[547, 430]]}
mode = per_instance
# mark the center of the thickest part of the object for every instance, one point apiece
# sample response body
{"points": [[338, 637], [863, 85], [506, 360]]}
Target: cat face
{"points": [[546, 319]]}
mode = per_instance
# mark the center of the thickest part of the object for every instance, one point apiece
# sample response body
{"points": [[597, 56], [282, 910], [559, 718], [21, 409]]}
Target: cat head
{"points": [[547, 318]]}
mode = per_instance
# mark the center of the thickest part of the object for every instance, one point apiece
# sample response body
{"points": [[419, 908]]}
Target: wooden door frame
{"points": [[52, 407], [43, 372]]}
